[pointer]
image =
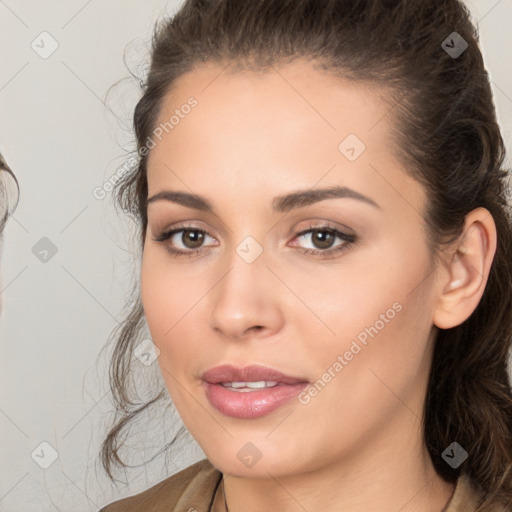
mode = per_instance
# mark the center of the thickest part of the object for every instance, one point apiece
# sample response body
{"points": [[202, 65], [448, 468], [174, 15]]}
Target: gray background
{"points": [[59, 309]]}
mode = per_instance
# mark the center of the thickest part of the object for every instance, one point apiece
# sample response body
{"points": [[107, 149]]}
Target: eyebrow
{"points": [[280, 204]]}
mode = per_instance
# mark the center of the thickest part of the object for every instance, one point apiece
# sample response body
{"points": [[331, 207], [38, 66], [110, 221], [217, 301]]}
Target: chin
{"points": [[249, 462]]}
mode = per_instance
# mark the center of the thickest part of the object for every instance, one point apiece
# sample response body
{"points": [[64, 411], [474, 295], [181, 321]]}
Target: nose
{"points": [[245, 302]]}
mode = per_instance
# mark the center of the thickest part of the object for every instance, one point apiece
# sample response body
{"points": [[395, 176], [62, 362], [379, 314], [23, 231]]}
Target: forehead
{"points": [[287, 125], [303, 99]]}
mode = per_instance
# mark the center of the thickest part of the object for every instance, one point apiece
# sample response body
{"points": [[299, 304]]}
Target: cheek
{"points": [[378, 311], [173, 301], [361, 291], [167, 295], [383, 324], [164, 302]]}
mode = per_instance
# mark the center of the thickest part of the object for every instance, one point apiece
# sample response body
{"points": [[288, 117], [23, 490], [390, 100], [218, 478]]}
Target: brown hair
{"points": [[5, 206], [446, 135]]}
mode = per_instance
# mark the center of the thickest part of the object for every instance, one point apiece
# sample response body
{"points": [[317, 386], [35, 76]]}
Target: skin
{"points": [[357, 445]]}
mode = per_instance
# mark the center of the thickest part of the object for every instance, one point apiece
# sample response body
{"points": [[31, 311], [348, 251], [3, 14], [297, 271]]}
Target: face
{"points": [[333, 290]]}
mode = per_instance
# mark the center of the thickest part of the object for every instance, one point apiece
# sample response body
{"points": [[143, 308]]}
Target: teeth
{"points": [[247, 386]]}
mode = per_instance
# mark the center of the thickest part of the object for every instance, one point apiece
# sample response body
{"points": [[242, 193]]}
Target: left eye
{"points": [[323, 238]]}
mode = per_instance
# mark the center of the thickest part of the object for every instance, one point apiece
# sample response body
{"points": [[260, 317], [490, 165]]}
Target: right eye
{"points": [[191, 239]]}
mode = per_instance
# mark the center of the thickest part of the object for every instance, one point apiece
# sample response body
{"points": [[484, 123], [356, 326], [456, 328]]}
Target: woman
{"points": [[326, 265]]}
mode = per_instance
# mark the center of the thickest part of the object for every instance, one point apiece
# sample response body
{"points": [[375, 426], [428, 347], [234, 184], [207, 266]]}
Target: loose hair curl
{"points": [[6, 205]]}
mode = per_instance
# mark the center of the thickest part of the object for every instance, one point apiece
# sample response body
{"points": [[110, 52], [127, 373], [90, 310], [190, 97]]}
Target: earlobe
{"points": [[466, 270]]}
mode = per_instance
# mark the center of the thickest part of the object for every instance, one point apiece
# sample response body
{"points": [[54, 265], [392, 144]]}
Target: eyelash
{"points": [[349, 240]]}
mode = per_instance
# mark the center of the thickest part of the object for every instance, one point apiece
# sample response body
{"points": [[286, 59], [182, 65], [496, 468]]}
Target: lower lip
{"points": [[250, 404]]}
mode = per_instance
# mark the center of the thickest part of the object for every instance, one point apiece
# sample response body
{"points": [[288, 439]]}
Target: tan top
{"points": [[199, 488]]}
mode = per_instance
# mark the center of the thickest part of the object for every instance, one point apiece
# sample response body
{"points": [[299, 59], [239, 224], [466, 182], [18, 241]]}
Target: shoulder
{"points": [[192, 488]]}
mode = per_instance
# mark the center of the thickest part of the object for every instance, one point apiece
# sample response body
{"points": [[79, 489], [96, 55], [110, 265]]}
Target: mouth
{"points": [[249, 392]]}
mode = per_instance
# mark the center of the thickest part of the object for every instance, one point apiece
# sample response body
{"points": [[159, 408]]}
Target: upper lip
{"points": [[252, 373]]}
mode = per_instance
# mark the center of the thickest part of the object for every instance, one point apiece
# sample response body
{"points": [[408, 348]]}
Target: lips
{"points": [[249, 392]]}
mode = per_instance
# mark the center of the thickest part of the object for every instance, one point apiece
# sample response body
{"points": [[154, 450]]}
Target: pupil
{"points": [[325, 239], [195, 237]]}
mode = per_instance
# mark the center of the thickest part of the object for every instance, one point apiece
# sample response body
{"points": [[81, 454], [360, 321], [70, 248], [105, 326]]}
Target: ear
{"points": [[466, 270]]}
